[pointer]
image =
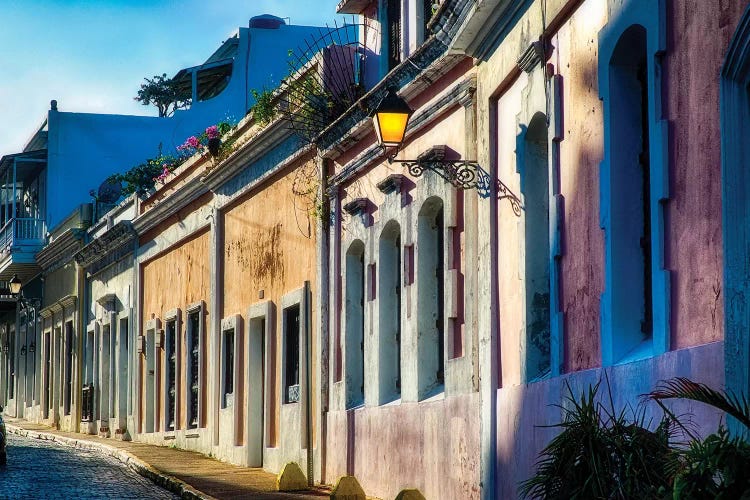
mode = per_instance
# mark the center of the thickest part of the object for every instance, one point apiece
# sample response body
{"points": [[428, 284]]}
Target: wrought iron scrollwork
{"points": [[462, 174]]}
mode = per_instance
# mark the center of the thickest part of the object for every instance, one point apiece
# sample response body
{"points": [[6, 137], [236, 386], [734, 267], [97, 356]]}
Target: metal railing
{"points": [[22, 231]]}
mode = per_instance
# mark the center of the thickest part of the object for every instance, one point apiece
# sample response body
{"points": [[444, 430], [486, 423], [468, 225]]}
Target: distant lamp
{"points": [[15, 285], [390, 119], [32, 347], [5, 348], [23, 350]]}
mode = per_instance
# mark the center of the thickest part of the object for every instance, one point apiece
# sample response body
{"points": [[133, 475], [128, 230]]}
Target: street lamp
{"points": [[15, 285], [390, 119]]}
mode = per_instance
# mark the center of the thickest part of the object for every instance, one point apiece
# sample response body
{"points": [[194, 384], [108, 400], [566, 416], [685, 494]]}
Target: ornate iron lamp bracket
{"points": [[461, 174]]}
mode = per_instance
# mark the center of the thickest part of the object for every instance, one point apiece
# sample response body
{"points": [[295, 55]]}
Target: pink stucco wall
{"points": [[523, 409], [699, 34], [430, 446], [581, 151]]}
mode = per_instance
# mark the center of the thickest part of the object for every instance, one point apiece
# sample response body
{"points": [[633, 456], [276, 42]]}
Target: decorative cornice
{"points": [[533, 56], [60, 251], [106, 300], [357, 206], [391, 183], [103, 247], [67, 302]]}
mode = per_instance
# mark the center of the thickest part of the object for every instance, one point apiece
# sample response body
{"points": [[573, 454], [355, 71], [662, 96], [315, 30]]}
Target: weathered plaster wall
{"points": [[524, 410], [699, 34], [581, 151], [508, 252], [60, 282], [433, 447], [175, 279], [575, 58], [441, 433], [117, 279], [269, 246]]}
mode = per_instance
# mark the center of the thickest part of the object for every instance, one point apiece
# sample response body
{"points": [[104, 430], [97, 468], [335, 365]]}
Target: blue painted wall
{"points": [[84, 149]]}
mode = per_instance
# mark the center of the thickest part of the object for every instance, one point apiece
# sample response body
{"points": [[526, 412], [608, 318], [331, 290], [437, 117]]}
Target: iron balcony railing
{"points": [[22, 231]]}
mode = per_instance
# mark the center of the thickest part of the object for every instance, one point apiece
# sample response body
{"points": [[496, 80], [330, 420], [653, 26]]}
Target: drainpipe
{"points": [[488, 352], [323, 314], [308, 376], [82, 303]]}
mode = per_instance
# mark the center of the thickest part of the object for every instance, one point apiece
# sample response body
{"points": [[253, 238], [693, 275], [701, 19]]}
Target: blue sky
{"points": [[92, 55]]}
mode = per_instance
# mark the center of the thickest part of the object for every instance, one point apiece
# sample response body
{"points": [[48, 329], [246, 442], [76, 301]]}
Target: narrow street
{"points": [[43, 469]]}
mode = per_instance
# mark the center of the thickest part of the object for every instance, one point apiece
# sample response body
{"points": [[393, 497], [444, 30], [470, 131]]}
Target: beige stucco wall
{"points": [[270, 246], [175, 279]]}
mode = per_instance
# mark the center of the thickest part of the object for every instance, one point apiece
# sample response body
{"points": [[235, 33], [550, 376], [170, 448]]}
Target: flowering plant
{"points": [[198, 143], [142, 178]]}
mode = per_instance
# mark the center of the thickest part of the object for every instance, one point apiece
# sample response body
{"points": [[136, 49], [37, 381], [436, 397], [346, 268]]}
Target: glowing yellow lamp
{"points": [[390, 119]]}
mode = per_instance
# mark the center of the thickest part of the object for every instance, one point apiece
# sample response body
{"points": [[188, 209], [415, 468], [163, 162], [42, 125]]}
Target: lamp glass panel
{"points": [[391, 127]]}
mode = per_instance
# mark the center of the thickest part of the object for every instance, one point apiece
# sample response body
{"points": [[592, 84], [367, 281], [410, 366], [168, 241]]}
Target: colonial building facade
{"points": [[567, 205]]}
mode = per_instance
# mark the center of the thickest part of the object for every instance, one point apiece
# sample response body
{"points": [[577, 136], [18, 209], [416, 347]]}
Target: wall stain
{"points": [[260, 253]]}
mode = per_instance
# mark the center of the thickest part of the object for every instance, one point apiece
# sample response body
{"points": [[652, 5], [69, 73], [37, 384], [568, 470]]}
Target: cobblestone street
{"points": [[42, 469]]}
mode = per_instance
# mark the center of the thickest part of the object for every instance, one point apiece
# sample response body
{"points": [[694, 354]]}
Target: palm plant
{"points": [[714, 467], [602, 453]]}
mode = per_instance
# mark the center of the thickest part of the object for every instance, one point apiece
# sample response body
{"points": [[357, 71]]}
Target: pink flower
{"points": [[212, 132], [193, 142]]}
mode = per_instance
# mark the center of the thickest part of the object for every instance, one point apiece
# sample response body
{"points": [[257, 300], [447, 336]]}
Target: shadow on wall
{"points": [[525, 411]]}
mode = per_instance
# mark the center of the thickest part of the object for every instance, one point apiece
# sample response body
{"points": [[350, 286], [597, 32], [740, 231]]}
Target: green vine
{"points": [[264, 109]]}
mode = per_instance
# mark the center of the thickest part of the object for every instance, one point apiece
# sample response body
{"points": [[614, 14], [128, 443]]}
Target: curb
{"points": [[166, 481]]}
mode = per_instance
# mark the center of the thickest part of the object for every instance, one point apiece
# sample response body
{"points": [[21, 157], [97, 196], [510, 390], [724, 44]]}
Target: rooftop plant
{"points": [[163, 93], [142, 178]]}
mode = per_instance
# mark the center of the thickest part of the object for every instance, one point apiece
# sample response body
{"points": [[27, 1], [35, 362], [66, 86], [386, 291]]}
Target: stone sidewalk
{"points": [[188, 474]]}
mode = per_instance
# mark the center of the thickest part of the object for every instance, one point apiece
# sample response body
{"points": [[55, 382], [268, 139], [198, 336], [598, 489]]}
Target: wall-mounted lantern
{"points": [[391, 118], [23, 350], [32, 347], [14, 285]]}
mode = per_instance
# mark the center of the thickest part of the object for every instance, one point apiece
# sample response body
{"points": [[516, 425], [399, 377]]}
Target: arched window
{"points": [[431, 298], [535, 188], [389, 312], [355, 324], [634, 185]]}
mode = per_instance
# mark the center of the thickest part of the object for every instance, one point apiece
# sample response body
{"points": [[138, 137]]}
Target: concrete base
{"points": [[432, 446]]}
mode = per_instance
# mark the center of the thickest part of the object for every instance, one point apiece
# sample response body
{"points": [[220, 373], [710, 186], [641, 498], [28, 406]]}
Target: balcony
{"points": [[22, 228]]}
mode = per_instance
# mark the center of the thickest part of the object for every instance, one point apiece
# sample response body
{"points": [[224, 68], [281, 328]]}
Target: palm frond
{"points": [[684, 388]]}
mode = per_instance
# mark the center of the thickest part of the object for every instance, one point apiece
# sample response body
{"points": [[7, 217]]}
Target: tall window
{"points": [[630, 279], [12, 366], [393, 30], [68, 366], [355, 324], [431, 297], [48, 373], [228, 366], [291, 354], [389, 301], [192, 372], [170, 345], [535, 189]]}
